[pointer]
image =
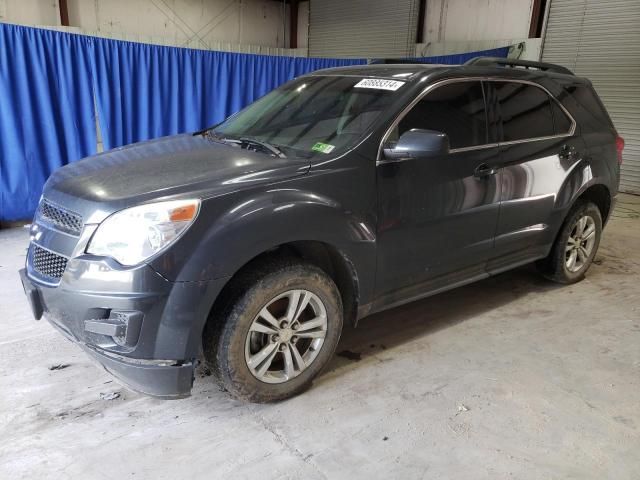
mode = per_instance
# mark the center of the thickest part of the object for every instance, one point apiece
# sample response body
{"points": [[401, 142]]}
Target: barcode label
{"points": [[379, 84]]}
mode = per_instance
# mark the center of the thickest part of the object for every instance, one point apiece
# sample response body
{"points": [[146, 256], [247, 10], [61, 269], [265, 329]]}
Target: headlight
{"points": [[132, 235]]}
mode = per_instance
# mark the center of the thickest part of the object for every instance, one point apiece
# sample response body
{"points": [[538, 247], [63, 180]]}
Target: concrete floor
{"points": [[512, 377]]}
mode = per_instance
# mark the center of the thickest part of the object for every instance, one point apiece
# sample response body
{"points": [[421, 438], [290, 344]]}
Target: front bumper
{"points": [[142, 328], [167, 380]]}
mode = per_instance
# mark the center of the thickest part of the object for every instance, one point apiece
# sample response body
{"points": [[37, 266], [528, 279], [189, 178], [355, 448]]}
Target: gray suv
{"points": [[342, 193]]}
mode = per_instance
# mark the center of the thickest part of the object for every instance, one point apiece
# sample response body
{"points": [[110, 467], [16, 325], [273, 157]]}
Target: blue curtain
{"points": [[46, 112], [147, 91], [50, 80]]}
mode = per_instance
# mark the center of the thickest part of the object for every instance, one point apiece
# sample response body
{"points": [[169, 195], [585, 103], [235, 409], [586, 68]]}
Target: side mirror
{"points": [[418, 143]]}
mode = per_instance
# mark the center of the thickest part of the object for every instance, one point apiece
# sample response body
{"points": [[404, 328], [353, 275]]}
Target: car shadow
{"points": [[394, 327]]}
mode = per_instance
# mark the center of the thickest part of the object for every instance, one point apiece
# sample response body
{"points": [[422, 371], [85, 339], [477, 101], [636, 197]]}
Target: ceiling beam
{"points": [[422, 8], [64, 13], [538, 11], [293, 24]]}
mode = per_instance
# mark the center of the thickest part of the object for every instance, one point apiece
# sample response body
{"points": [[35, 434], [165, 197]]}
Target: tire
{"points": [[242, 332], [557, 266]]}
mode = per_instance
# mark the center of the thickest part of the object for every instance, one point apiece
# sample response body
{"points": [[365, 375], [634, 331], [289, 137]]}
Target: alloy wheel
{"points": [[580, 244], [286, 336]]}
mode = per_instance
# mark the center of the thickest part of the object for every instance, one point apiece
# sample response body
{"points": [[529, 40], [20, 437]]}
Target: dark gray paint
{"points": [[405, 229]]}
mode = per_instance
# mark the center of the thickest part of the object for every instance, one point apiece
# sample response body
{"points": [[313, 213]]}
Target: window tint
{"points": [[586, 108], [525, 111], [308, 111], [560, 119], [456, 109]]}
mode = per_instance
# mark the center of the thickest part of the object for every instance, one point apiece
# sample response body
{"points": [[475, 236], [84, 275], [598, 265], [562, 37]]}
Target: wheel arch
{"points": [[600, 195], [592, 191], [331, 260], [280, 224], [587, 180]]}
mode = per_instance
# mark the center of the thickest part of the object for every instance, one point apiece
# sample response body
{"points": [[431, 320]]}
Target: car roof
{"points": [[405, 71], [417, 71]]}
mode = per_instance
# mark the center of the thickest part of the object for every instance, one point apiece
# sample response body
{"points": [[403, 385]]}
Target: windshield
{"points": [[311, 116]]}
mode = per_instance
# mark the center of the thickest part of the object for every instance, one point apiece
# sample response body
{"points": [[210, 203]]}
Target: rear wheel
{"points": [[277, 334], [576, 245]]}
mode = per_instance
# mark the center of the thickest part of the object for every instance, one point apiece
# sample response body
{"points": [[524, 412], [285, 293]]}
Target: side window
{"points": [[586, 107], [456, 109], [525, 111], [560, 119]]}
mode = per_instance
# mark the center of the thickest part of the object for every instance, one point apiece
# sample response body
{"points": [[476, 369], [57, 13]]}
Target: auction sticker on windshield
{"points": [[323, 147], [379, 84]]}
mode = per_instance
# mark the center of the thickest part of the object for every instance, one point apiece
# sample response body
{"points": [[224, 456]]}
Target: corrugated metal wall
{"points": [[601, 41], [362, 28]]}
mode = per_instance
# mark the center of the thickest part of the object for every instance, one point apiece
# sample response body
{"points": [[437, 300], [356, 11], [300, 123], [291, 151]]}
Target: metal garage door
{"points": [[362, 28], [601, 40]]}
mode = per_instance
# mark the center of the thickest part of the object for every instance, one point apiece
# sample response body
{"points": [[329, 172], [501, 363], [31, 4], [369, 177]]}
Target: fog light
{"points": [[122, 326]]}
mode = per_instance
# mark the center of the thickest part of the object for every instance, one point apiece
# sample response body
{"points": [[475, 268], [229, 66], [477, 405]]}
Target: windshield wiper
{"points": [[265, 145], [269, 147]]}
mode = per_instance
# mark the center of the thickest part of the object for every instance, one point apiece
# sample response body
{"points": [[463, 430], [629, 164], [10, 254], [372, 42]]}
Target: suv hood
{"points": [[178, 165]]}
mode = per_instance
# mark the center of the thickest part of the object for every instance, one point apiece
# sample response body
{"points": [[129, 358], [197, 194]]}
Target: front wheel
{"points": [[277, 334], [576, 245]]}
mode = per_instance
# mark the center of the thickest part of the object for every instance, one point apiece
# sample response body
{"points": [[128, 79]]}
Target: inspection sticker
{"points": [[379, 84], [323, 147]]}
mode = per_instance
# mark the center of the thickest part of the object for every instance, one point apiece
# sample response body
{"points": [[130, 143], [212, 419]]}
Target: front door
{"points": [[437, 216]]}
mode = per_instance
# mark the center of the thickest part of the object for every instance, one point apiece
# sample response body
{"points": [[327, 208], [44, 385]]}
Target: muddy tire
{"points": [[278, 330], [575, 246]]}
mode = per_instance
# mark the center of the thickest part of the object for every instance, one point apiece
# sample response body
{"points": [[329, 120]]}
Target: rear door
{"points": [[538, 148]]}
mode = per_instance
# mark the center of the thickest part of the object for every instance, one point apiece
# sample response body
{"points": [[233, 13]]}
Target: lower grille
{"points": [[47, 263]]}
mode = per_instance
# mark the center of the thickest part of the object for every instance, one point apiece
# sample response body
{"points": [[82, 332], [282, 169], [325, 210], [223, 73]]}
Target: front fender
{"points": [[248, 227]]}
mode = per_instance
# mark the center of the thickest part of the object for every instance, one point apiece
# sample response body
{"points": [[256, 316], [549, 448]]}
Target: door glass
{"points": [[456, 109], [560, 119], [525, 111]]}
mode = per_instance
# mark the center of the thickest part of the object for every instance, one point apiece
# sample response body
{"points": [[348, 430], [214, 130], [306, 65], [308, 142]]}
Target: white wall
{"points": [[464, 20], [457, 26], [521, 48], [303, 24], [450, 26], [188, 23], [30, 12]]}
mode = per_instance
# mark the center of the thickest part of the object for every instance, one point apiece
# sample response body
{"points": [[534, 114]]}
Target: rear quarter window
{"points": [[585, 106]]}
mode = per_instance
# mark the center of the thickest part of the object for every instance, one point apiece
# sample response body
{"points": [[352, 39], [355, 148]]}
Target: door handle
{"points": [[484, 170], [567, 152]]}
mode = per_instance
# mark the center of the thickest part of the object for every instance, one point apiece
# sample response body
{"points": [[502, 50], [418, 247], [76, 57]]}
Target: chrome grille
{"points": [[47, 263], [61, 218]]}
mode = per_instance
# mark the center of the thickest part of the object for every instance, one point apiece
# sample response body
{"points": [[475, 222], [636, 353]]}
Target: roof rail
{"points": [[392, 61], [507, 62]]}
